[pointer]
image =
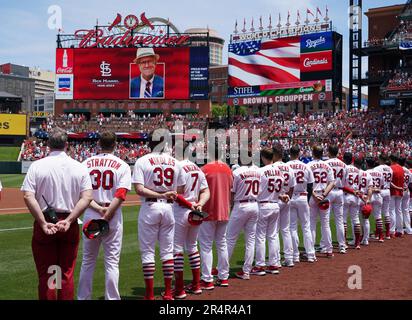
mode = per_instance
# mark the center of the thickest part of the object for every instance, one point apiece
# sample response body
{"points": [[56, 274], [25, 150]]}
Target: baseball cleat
{"points": [[312, 260], [206, 285], [398, 235], [179, 295], [296, 260], [365, 242], [342, 250], [242, 275], [351, 243], [258, 271], [194, 289], [357, 247], [288, 263], [222, 283], [167, 296], [272, 270]]}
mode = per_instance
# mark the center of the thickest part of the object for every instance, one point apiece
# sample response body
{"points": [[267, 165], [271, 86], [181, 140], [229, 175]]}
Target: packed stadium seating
{"points": [[363, 133]]}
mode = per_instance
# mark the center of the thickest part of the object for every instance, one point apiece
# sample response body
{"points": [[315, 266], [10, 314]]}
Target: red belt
{"points": [[158, 200], [244, 201]]}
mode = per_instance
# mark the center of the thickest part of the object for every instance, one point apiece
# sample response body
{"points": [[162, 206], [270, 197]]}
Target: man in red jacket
{"points": [[220, 180], [396, 197]]}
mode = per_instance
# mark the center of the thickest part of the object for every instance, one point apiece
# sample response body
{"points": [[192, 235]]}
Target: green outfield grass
{"points": [[12, 180], [18, 275], [9, 153]]}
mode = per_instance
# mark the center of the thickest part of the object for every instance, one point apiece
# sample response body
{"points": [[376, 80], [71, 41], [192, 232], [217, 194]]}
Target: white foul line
{"points": [[15, 229]]}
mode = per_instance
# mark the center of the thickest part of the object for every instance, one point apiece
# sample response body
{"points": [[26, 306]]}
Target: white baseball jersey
{"points": [[289, 177], [59, 178], [377, 178], [158, 172], [352, 177], [108, 174], [192, 178], [271, 183], [387, 175], [408, 178], [246, 182], [339, 171], [365, 181], [303, 175], [322, 174]]}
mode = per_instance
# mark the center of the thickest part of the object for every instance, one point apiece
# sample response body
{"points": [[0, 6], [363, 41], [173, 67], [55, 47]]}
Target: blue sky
{"points": [[26, 39]]}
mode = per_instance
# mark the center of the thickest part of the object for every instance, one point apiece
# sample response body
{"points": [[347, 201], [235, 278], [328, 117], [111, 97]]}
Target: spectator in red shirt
{"points": [[220, 180], [396, 197]]}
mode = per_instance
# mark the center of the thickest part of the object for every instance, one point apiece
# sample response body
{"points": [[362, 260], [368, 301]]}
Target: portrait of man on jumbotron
{"points": [[147, 75]]}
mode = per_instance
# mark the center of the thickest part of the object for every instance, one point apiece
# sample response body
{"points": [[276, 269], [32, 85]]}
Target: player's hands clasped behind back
{"points": [[63, 225], [169, 195], [284, 198], [49, 228]]}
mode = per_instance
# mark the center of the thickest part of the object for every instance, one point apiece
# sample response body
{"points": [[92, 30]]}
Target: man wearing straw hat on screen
{"points": [[147, 85]]}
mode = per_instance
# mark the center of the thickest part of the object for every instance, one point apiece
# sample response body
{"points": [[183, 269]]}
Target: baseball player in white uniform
{"points": [[376, 199], [365, 194], [284, 207], [111, 180], [385, 192], [271, 182], [245, 190], [336, 195], [192, 185], [324, 183], [351, 200], [406, 197], [299, 207], [155, 177]]}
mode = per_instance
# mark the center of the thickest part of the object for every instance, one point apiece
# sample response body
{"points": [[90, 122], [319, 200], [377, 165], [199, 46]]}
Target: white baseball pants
{"points": [[213, 231], [266, 228], [112, 244], [299, 210], [244, 217]]}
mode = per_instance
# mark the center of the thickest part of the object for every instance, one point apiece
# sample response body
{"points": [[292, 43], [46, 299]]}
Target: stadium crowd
{"points": [[362, 133], [400, 81]]}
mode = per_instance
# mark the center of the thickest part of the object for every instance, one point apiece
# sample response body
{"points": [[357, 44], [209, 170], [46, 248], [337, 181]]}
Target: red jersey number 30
{"points": [[102, 179]]}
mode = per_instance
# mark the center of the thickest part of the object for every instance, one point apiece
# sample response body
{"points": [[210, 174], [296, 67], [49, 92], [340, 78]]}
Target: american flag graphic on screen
{"points": [[262, 62]]}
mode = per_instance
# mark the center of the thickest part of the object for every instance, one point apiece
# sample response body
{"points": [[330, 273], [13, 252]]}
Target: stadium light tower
{"points": [[355, 55]]}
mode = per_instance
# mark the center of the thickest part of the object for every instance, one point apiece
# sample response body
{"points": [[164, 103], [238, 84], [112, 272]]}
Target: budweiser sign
{"points": [[96, 38], [92, 38]]}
